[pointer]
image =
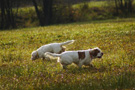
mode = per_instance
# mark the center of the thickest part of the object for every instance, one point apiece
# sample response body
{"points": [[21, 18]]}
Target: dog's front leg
{"points": [[46, 58], [80, 65]]}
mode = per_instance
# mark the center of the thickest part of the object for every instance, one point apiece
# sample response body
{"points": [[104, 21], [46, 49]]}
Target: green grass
{"points": [[98, 4], [92, 4], [115, 70]]}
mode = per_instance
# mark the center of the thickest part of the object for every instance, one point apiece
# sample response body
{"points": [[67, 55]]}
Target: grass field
{"points": [[116, 70], [97, 4], [92, 4]]}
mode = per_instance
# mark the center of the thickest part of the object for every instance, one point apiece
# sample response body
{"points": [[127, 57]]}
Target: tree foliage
{"points": [[48, 12]]}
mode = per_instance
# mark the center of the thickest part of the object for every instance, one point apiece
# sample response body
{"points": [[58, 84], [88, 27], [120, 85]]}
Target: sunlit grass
{"points": [[114, 71], [92, 4]]}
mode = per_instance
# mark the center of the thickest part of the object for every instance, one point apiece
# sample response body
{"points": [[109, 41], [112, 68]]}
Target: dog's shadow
{"points": [[73, 69], [95, 69], [92, 69]]}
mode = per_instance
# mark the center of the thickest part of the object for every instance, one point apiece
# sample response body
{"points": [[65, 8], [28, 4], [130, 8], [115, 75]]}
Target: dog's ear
{"points": [[37, 55], [94, 52]]}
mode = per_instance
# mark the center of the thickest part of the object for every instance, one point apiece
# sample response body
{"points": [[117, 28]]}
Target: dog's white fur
{"points": [[68, 57], [53, 47]]}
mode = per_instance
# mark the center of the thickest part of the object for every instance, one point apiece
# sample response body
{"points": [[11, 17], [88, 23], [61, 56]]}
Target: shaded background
{"points": [[31, 13]]}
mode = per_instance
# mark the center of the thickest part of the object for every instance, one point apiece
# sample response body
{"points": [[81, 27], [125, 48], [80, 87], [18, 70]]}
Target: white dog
{"points": [[81, 57], [53, 48]]}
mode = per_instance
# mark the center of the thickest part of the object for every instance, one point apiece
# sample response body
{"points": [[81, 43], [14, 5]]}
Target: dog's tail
{"points": [[67, 42], [53, 54]]}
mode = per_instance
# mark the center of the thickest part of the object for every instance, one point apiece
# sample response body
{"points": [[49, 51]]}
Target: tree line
{"points": [[125, 6], [49, 11], [8, 15]]}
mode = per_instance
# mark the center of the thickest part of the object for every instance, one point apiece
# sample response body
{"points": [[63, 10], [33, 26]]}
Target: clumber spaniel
{"points": [[81, 57], [53, 48]]}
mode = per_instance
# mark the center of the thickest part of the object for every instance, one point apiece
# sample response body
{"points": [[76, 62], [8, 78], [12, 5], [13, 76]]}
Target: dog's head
{"points": [[34, 55], [96, 53]]}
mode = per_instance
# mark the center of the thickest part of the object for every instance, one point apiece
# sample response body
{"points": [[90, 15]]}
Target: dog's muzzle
{"points": [[101, 55]]}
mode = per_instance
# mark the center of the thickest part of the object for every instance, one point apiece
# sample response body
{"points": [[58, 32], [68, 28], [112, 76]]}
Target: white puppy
{"points": [[53, 48], [81, 57]]}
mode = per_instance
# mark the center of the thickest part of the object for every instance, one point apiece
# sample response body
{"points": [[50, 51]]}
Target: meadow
{"points": [[92, 4], [116, 70]]}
